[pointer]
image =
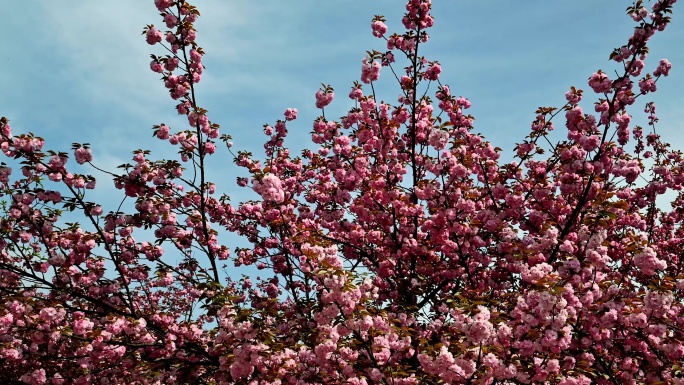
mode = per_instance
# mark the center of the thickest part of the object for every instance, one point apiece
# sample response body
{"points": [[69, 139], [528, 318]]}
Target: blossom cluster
{"points": [[400, 249]]}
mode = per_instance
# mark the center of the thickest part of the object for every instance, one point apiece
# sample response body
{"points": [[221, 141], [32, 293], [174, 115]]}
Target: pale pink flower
{"points": [[163, 4], [171, 20], [379, 28], [171, 64], [324, 98], [648, 263], [163, 132], [82, 326], [37, 377], [438, 139], [433, 72], [83, 155], [600, 82], [5, 172], [270, 188], [291, 114], [647, 85], [156, 66], [370, 70], [153, 36], [10, 354], [663, 68], [573, 96]]}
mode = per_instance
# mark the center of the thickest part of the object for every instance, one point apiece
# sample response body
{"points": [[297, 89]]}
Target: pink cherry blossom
{"points": [[270, 188], [397, 246], [600, 82], [153, 35], [379, 28], [324, 97], [83, 155], [291, 114], [663, 68], [370, 70]]}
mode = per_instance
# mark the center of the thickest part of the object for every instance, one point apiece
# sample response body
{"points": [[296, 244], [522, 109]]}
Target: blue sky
{"points": [[80, 73]]}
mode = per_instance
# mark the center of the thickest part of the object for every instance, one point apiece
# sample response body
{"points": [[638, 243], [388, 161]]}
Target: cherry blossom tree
{"points": [[398, 249]]}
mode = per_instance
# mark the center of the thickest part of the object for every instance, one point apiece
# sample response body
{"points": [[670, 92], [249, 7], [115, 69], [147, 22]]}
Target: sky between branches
{"points": [[80, 72]]}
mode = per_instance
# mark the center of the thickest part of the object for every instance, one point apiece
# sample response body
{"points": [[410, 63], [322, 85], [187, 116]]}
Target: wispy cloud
{"points": [[79, 72]]}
